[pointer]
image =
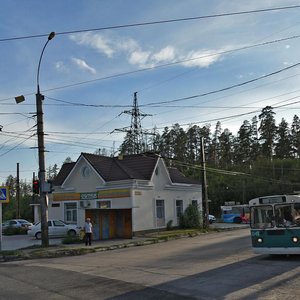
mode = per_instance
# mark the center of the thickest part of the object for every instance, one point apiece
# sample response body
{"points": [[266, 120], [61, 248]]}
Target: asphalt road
{"points": [[211, 266], [13, 242]]}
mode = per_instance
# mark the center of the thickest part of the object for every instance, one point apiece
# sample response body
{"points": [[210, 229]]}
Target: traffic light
{"points": [[36, 186]]}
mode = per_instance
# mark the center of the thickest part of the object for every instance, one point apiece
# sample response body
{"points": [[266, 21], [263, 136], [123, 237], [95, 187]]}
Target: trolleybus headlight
{"points": [[295, 239], [259, 240]]}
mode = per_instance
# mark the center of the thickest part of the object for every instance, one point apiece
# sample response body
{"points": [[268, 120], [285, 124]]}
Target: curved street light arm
{"points": [[50, 37]]}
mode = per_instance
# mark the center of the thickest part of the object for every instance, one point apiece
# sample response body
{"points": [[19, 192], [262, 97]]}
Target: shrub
{"points": [[71, 240], [191, 217], [14, 230], [169, 224]]}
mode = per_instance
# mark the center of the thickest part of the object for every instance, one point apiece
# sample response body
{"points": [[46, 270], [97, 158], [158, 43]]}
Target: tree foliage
{"points": [[26, 197], [262, 158]]}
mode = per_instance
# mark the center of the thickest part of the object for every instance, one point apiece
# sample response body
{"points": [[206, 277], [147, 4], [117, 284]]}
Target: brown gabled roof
{"points": [[177, 177], [63, 173], [136, 166]]}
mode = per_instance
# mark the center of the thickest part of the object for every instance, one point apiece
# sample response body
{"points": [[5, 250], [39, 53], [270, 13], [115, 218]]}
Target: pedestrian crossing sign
{"points": [[4, 195]]}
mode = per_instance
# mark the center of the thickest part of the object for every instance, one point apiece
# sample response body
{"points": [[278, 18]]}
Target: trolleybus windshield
{"points": [[283, 215], [262, 217]]}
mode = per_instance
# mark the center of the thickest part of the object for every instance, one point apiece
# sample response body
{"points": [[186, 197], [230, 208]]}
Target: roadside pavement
{"points": [[58, 250]]}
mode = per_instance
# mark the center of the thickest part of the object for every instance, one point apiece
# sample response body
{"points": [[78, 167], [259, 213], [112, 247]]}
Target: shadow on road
{"points": [[247, 279]]}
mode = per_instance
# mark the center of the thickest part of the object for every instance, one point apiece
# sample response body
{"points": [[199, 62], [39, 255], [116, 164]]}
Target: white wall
{"points": [[144, 206], [56, 212], [143, 197], [143, 211], [82, 183]]}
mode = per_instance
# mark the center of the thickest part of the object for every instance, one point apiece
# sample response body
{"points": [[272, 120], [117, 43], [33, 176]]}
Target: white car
{"points": [[16, 223], [211, 219], [56, 228]]}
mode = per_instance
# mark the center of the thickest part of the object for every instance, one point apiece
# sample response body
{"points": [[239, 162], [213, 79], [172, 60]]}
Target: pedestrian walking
{"points": [[88, 229]]}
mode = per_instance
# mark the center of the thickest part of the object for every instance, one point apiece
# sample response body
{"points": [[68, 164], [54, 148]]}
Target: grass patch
{"points": [[11, 253], [177, 232]]}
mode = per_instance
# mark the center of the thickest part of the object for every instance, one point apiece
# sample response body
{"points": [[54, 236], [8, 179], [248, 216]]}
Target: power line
{"points": [[233, 116], [169, 64], [89, 105], [224, 89], [232, 173], [17, 145], [51, 140], [155, 22], [155, 67], [88, 145], [154, 104], [224, 118]]}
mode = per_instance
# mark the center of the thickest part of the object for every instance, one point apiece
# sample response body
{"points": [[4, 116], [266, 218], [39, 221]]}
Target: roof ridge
{"points": [[123, 167]]}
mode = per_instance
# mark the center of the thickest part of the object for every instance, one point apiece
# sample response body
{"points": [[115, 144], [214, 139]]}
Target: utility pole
{"points": [[41, 152], [18, 214], [204, 187]]}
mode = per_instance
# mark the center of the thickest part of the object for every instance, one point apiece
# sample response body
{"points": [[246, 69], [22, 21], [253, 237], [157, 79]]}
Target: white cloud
{"points": [[127, 45], [139, 56], [201, 58], [150, 59], [83, 65], [61, 67], [165, 54], [95, 41]]}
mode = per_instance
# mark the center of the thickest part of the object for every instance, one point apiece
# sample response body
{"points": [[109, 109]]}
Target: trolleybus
{"points": [[237, 213], [275, 224]]}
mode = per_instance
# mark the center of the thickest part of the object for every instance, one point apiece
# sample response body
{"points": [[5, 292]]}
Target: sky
{"points": [[207, 63]]}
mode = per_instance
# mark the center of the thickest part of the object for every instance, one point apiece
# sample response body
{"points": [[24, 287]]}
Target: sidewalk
{"points": [[111, 244], [60, 250]]}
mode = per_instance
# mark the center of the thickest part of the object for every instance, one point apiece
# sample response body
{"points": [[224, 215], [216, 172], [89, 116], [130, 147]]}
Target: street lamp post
{"points": [[41, 151]]}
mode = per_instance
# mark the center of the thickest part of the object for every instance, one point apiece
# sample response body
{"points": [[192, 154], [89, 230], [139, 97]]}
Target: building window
{"points": [[195, 202], [179, 208], [71, 212], [103, 204], [160, 213]]}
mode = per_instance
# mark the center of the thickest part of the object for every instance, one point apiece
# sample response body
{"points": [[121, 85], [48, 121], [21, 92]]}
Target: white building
{"points": [[122, 195]]}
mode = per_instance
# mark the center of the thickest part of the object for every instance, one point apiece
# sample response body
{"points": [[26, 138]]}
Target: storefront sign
{"points": [[88, 196], [66, 196], [118, 193], [104, 194]]}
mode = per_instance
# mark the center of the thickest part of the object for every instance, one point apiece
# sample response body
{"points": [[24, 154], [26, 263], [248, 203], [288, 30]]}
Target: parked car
{"points": [[56, 228], [211, 219], [16, 223]]}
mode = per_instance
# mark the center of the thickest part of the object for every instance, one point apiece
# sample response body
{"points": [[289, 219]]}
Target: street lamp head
{"points": [[51, 36], [19, 99]]}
